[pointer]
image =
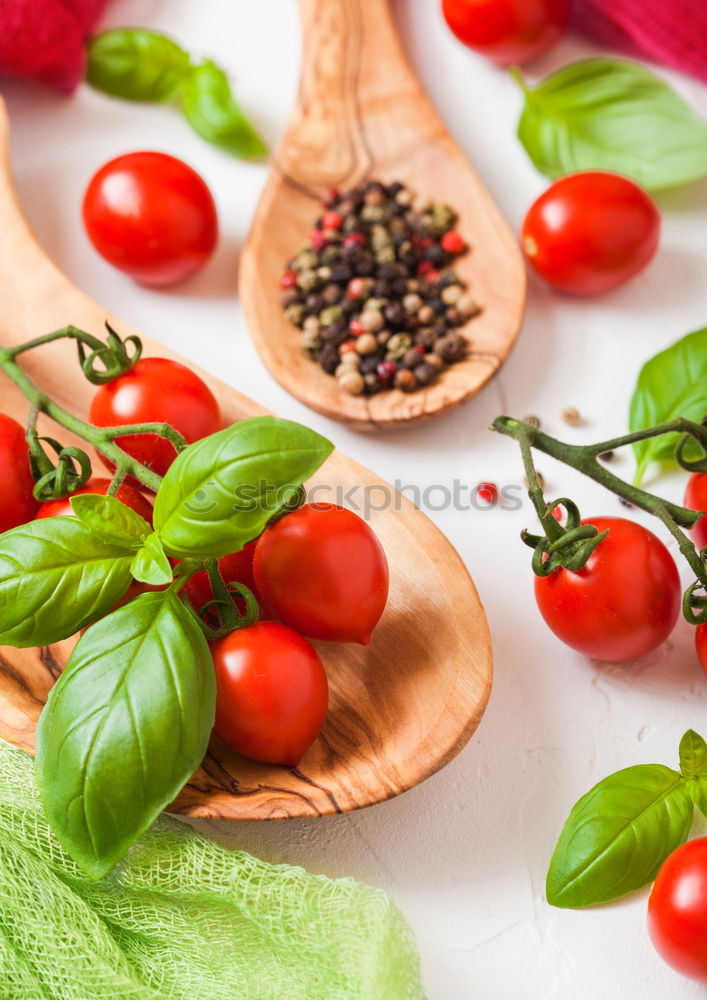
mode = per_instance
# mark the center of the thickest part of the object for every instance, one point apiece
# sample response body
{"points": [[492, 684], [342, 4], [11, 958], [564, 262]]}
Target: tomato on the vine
{"points": [[507, 31], [157, 390], [322, 571], [696, 498], [623, 603], [272, 693], [590, 232], [127, 494], [234, 568], [677, 910], [17, 503], [152, 216]]}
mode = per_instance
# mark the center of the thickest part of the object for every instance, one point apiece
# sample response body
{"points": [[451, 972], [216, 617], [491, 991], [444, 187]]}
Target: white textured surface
{"points": [[465, 854]]}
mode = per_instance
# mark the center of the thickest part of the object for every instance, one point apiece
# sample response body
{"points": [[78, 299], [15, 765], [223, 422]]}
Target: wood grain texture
{"points": [[361, 113], [401, 707]]}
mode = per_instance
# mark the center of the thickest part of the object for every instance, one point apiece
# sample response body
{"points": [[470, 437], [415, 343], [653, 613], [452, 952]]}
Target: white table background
{"points": [[464, 854]]}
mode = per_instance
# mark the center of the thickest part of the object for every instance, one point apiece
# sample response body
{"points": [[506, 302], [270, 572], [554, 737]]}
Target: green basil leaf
{"points": [[693, 755], [698, 790], [220, 492], [136, 64], [151, 564], [618, 835], [608, 114], [110, 519], [210, 108], [125, 727], [56, 576], [671, 384]]}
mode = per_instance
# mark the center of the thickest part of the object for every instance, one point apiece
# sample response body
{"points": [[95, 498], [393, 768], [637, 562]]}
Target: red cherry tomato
{"points": [[126, 494], [152, 216], [701, 645], [272, 694], [590, 232], [235, 568], [162, 391], [322, 571], [677, 910], [623, 603], [696, 498], [17, 503], [507, 31]]}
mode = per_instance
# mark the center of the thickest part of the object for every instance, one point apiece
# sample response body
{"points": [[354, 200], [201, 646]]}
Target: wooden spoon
{"points": [[362, 113], [401, 708]]}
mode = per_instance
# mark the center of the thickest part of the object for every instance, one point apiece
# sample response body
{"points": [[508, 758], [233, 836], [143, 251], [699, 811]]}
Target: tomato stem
{"points": [[570, 545]]}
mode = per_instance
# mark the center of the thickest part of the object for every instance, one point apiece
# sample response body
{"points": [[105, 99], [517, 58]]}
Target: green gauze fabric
{"points": [[184, 919]]}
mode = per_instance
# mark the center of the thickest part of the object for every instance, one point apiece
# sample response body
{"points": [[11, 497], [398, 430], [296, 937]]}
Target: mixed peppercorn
{"points": [[373, 292]]}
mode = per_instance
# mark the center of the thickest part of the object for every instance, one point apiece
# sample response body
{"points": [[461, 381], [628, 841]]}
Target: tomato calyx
{"points": [[55, 481], [571, 548], [221, 615]]}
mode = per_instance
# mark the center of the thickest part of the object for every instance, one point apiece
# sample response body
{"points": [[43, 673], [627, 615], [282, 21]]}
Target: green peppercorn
{"points": [[295, 314], [397, 346], [372, 213], [330, 315], [308, 281], [386, 255], [305, 261], [372, 320]]}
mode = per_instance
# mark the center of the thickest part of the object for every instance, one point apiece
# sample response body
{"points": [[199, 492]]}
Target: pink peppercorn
{"points": [[318, 240], [424, 268], [354, 240], [288, 280], [355, 288], [356, 327], [332, 220], [348, 345], [331, 196], [488, 492], [452, 242]]}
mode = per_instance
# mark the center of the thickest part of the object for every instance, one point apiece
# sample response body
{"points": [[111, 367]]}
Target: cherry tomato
{"points": [[235, 568], [623, 603], [696, 498], [590, 232], [507, 31], [152, 216], [126, 494], [17, 503], [322, 571], [272, 693], [677, 910], [162, 391], [701, 645]]}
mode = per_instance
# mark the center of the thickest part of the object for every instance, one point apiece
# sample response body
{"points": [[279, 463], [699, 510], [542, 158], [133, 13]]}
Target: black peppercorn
{"points": [[341, 273], [424, 373], [329, 358]]}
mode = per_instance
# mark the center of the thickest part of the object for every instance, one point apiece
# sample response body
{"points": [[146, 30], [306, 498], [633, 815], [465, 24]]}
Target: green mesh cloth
{"points": [[184, 919]]}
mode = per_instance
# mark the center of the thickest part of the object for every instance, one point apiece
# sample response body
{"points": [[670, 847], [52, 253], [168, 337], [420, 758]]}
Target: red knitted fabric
{"points": [[45, 38], [672, 32]]}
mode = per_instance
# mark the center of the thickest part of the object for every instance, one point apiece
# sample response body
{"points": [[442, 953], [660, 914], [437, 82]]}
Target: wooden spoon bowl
{"points": [[361, 113], [401, 707]]}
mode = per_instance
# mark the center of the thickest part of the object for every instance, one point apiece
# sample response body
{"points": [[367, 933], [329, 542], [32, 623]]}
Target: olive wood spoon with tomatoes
{"points": [[400, 708], [361, 113]]}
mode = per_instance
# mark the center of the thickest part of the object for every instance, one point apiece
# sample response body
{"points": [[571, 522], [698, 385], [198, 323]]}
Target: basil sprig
{"points": [[129, 719], [140, 65], [610, 114], [671, 384], [125, 727], [619, 834]]}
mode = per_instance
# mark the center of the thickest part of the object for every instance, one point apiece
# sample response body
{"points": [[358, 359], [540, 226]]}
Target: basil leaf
{"points": [[693, 755], [607, 114], [220, 492], [136, 64], [210, 108], [618, 835], [124, 728], [151, 565], [56, 576], [110, 519], [671, 384]]}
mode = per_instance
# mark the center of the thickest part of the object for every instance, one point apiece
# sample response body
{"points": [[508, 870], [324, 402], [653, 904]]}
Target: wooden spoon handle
{"points": [[352, 61]]}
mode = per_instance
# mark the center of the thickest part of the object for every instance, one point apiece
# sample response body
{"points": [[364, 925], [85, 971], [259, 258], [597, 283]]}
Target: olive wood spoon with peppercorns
{"points": [[362, 114], [401, 707]]}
